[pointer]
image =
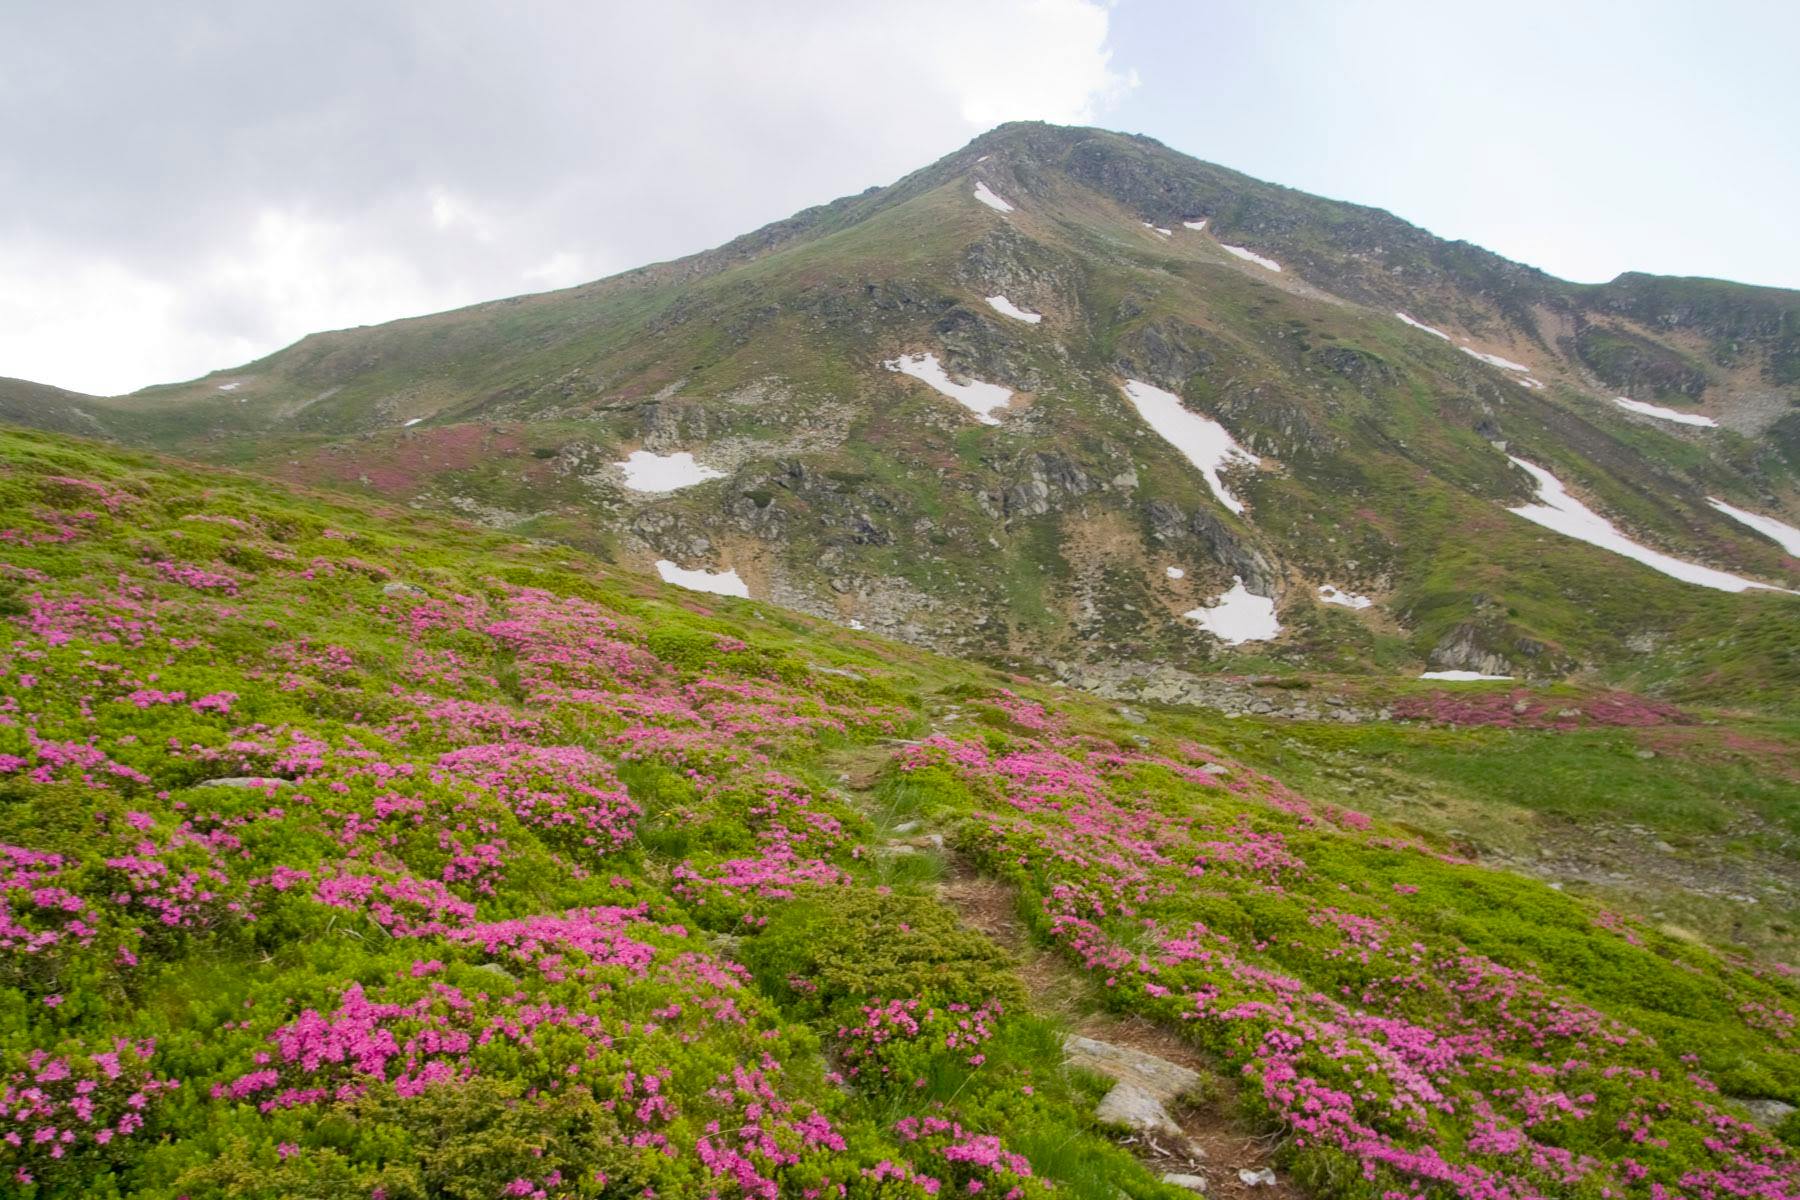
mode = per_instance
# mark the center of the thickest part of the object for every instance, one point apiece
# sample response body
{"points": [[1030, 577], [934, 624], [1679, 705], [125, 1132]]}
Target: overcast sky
{"points": [[187, 185]]}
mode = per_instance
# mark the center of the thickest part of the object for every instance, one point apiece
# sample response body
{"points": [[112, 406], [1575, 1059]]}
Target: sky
{"points": [[190, 185]]}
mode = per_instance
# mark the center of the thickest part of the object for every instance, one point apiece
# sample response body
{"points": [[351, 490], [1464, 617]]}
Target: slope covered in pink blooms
{"points": [[344, 856]]}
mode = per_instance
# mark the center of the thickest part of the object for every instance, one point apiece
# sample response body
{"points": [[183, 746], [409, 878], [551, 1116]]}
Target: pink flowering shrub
{"points": [[342, 860]]}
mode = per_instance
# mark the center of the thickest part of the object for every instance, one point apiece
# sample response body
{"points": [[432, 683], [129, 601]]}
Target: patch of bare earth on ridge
{"points": [[1226, 1143]]}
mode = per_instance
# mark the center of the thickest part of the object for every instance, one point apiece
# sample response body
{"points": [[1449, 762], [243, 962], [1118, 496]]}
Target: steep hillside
{"points": [[1374, 379], [341, 858]]}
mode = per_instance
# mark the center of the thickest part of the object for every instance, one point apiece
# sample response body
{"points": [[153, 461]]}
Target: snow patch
{"points": [[1251, 256], [1238, 616], [1422, 325], [1769, 527], [1568, 516], [1196, 226], [980, 398], [1332, 595], [1174, 572], [1159, 229], [984, 158], [411, 421], [229, 387], [1494, 360], [1206, 443], [1460, 676], [1530, 384], [987, 197], [856, 624], [1665, 414], [1007, 308], [720, 583], [647, 472]]}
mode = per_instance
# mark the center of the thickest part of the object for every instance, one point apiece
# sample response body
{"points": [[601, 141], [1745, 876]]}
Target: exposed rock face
{"points": [[1166, 353], [1048, 480], [1635, 365], [1172, 526], [1492, 647]]}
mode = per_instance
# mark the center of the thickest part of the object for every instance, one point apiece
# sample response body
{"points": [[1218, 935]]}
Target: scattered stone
{"points": [[396, 588], [1261, 1177], [497, 969], [243, 781], [906, 827], [1646, 754], [1137, 1110], [1193, 1183], [1218, 770]]}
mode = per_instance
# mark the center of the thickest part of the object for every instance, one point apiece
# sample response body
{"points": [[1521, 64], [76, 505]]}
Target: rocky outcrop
{"points": [[1172, 526], [1046, 481]]}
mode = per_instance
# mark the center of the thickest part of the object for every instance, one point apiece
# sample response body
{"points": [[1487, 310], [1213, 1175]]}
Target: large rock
{"points": [[1136, 1109], [1158, 1076], [1144, 1085]]}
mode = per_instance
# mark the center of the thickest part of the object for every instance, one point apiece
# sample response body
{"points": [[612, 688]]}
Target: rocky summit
{"points": [[1078, 673]]}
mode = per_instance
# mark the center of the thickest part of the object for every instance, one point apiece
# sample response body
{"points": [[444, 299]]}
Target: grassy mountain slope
{"points": [[855, 492], [346, 857]]}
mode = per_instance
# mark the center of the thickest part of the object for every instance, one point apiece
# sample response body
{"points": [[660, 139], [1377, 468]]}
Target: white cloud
{"points": [[453, 152]]}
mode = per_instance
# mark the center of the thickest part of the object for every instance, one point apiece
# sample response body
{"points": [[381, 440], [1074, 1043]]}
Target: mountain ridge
{"points": [[851, 492]]}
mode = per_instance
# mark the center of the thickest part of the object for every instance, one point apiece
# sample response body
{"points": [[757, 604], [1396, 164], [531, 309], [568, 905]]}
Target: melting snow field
{"points": [[1568, 516], [1769, 527], [1174, 572], [1206, 443], [1494, 360], [1331, 595], [1196, 226], [1251, 256], [980, 398], [1238, 616], [1460, 676], [1422, 325], [987, 197], [721, 583], [1007, 308], [647, 472], [1665, 414]]}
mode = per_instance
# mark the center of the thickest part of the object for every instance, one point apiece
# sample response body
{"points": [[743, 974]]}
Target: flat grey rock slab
{"points": [[1158, 1077], [1137, 1110]]}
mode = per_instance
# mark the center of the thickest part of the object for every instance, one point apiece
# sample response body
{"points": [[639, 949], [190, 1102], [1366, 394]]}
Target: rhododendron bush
{"points": [[1376, 998], [339, 860]]}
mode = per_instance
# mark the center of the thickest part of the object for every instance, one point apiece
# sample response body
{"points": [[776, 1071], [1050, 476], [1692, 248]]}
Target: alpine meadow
{"points": [[1077, 673]]}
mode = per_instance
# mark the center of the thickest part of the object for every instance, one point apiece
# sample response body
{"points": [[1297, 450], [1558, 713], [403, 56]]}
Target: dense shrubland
{"points": [[341, 861]]}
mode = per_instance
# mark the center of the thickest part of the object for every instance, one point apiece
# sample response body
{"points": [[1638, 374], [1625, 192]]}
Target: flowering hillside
{"points": [[344, 854]]}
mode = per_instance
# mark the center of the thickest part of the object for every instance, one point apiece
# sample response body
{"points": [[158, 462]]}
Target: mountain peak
{"points": [[907, 408]]}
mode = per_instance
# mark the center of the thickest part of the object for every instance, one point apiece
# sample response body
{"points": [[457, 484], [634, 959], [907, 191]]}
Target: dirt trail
{"points": [[1059, 990]]}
